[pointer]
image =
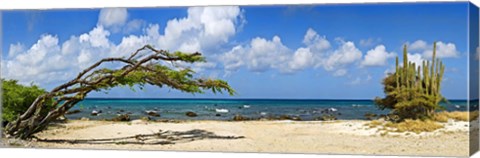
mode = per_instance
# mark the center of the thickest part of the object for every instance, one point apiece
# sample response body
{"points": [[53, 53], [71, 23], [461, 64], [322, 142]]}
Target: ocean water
{"points": [[208, 109]]}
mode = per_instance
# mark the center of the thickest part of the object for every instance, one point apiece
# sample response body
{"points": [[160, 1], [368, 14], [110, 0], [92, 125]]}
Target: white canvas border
{"points": [[60, 4]]}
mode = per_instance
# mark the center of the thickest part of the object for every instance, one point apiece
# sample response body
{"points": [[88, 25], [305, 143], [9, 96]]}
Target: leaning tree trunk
{"points": [[33, 121], [138, 69]]}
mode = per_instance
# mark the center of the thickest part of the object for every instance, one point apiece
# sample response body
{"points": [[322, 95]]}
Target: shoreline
{"points": [[226, 109], [266, 136]]}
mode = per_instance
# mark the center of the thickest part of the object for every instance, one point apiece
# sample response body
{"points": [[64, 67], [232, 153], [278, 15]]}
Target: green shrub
{"points": [[16, 99]]}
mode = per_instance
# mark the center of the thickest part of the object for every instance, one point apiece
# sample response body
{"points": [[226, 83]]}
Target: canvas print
{"points": [[371, 79]]}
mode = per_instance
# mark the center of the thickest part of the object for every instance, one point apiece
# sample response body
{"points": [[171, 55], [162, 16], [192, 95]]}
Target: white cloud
{"points": [[415, 58], [46, 44], [266, 54], [200, 67], [315, 42], [15, 49], [260, 55], [340, 72], [302, 58], [346, 54], [40, 63], [98, 37], [369, 42], [89, 47], [84, 57], [133, 26], [113, 18], [232, 60], [308, 56], [444, 50], [412, 58], [377, 56], [359, 80], [202, 29], [130, 43], [218, 22], [50, 61], [70, 46], [419, 45], [116, 20]]}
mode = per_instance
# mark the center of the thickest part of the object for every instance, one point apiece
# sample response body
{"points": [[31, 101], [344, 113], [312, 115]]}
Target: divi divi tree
{"points": [[145, 66]]}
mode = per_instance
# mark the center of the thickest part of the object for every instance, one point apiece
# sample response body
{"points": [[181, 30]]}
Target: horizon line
{"points": [[333, 99]]}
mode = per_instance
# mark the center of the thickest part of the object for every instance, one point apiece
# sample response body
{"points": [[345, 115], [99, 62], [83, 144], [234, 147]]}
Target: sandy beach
{"points": [[337, 137]]}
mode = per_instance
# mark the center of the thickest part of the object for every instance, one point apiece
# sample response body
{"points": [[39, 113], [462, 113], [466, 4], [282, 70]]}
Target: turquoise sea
{"points": [[226, 109]]}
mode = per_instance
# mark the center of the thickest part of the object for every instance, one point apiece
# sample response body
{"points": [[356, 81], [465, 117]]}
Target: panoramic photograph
{"points": [[370, 79]]}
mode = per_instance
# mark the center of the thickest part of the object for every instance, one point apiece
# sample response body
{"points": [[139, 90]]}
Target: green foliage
{"points": [[413, 92], [138, 70], [17, 98], [154, 73], [188, 58], [182, 80]]}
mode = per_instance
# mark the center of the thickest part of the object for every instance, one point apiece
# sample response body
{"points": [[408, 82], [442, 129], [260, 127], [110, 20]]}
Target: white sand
{"points": [[338, 137]]}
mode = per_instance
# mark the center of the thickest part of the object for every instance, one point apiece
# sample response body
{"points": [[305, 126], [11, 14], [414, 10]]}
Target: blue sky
{"points": [[302, 52]]}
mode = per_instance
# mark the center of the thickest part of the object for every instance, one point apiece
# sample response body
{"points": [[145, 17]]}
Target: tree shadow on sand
{"points": [[159, 138]]}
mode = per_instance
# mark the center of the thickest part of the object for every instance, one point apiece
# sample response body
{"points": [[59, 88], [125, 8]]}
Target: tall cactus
{"points": [[416, 88]]}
